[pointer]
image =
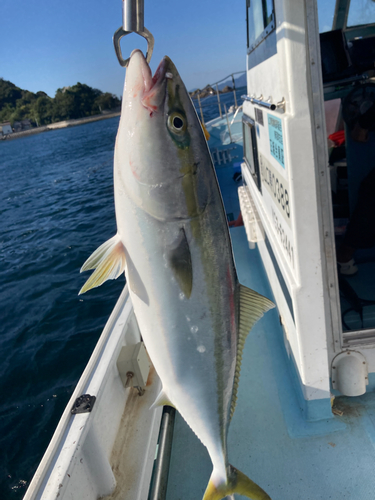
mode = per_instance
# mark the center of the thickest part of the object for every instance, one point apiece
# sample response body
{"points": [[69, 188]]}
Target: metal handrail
{"points": [[259, 101], [226, 78], [218, 93], [279, 106]]}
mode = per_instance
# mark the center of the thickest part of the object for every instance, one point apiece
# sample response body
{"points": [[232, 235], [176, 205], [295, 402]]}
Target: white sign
{"points": [[275, 191], [276, 185]]}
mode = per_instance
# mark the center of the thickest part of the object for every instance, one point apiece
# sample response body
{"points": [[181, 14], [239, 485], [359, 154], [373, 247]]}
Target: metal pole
{"points": [[159, 484], [133, 15], [200, 107], [132, 22], [218, 100], [226, 114], [234, 92]]}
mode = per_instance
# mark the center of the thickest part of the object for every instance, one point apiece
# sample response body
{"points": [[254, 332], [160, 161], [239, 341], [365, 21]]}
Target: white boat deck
{"points": [[269, 439]]}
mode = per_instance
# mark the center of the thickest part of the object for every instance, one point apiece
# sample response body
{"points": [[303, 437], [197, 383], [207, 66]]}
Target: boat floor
{"points": [[269, 439]]}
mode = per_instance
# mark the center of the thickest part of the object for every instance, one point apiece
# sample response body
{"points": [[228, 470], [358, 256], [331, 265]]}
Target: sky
{"points": [[50, 44]]}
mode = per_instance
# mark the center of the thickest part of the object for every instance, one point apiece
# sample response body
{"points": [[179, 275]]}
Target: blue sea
{"points": [[56, 208]]}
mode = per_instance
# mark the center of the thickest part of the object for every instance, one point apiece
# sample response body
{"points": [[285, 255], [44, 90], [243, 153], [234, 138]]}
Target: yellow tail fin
{"points": [[238, 483]]}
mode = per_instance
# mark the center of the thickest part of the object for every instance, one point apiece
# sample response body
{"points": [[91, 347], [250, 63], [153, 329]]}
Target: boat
{"points": [[304, 426]]}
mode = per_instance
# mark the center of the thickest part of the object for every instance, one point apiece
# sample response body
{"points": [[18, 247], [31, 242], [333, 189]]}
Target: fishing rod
{"points": [[132, 22]]}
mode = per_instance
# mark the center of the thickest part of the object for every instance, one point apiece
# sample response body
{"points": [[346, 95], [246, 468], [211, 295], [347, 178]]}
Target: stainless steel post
{"points": [[218, 100], [159, 484], [132, 22], [133, 15], [226, 114], [234, 92], [200, 107]]}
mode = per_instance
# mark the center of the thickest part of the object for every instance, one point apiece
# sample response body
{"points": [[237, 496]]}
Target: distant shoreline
{"points": [[58, 125]]}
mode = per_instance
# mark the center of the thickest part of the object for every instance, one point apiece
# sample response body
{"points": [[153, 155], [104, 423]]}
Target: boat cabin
{"points": [[309, 173]]}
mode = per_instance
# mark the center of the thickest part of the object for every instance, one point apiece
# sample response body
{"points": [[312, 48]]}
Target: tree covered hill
{"points": [[77, 101]]}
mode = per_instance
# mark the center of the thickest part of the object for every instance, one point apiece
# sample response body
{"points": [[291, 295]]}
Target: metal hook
{"points": [[132, 22], [121, 33]]}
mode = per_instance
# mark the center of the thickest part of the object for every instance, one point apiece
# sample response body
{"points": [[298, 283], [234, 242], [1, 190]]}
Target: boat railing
{"points": [[208, 107]]}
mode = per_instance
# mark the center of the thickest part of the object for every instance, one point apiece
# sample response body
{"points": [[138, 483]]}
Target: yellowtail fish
{"points": [[173, 243]]}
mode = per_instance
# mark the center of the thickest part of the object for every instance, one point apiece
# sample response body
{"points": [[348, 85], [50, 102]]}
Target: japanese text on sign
{"points": [[276, 185], [276, 139], [283, 237]]}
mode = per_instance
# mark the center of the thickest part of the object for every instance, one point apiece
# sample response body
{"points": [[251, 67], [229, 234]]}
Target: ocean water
{"points": [[56, 208]]}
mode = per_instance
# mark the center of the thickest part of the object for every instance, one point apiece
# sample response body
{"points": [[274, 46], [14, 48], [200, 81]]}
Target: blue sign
{"points": [[276, 139]]}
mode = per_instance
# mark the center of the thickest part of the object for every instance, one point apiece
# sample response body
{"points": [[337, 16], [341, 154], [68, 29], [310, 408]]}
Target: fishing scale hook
{"points": [[132, 22]]}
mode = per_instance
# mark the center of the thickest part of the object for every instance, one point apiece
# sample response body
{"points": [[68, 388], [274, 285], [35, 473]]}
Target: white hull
{"points": [[87, 448]]}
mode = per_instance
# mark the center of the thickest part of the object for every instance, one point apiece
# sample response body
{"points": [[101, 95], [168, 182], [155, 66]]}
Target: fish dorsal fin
{"points": [[108, 261], [252, 307], [180, 262], [161, 400]]}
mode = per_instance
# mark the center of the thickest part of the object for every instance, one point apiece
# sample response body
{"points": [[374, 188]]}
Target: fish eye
{"points": [[176, 122]]}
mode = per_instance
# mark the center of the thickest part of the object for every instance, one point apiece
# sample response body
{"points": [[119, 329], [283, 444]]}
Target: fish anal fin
{"points": [[180, 262], [237, 482], [252, 307], [161, 400], [108, 261]]}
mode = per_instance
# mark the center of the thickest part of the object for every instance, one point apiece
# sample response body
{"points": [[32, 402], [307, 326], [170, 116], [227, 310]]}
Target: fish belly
{"points": [[191, 340]]}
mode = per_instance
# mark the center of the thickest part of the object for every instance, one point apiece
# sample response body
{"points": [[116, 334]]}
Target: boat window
{"points": [[351, 118], [361, 12], [347, 56], [251, 149], [326, 12], [268, 11], [260, 21]]}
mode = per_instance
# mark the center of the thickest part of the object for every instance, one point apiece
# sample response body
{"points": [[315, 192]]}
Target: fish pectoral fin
{"points": [[161, 400], [237, 482], [108, 261], [180, 262], [252, 307]]}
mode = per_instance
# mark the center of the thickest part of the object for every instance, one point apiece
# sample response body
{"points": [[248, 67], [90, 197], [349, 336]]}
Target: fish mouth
{"points": [[154, 87], [161, 71]]}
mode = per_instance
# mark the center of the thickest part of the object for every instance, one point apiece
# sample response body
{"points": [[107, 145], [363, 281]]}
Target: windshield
{"points": [[259, 16], [361, 12], [326, 11]]}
